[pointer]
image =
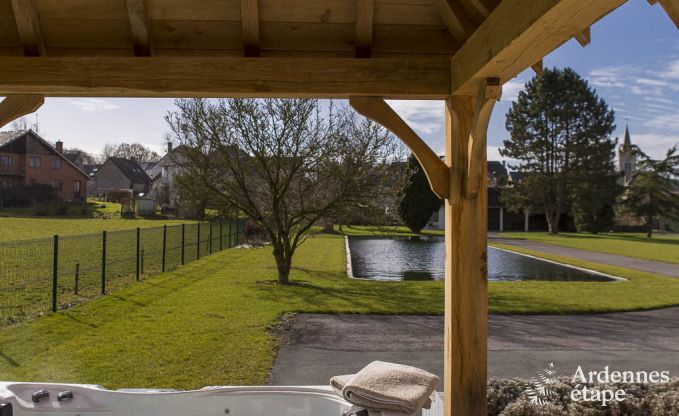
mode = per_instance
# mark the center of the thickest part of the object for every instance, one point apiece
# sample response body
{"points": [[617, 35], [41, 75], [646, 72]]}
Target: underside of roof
{"points": [[216, 27]]}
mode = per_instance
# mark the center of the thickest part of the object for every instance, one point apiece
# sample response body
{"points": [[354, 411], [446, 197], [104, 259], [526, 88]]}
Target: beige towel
{"points": [[387, 386]]}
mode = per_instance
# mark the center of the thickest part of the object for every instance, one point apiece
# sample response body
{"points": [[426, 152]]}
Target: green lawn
{"points": [[662, 247], [208, 323], [13, 228], [27, 267]]}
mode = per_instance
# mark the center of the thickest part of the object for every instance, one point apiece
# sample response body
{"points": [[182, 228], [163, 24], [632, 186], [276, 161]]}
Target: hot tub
{"points": [[89, 400], [92, 400]]}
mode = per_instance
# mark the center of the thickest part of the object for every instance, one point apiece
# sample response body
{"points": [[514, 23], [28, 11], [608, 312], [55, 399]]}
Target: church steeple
{"points": [[627, 144]]}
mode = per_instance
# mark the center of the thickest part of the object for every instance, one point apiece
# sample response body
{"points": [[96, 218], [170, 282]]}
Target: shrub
{"points": [[507, 398], [22, 196]]}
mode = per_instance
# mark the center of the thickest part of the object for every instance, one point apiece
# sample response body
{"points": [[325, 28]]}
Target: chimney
{"points": [[60, 146], [169, 147]]}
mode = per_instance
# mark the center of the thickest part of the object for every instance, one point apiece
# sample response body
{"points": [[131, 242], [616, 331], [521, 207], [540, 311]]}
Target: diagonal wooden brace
{"points": [[489, 93], [15, 106], [376, 109]]}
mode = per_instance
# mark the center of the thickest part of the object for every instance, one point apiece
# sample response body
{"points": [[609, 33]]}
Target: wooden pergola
{"points": [[460, 51]]}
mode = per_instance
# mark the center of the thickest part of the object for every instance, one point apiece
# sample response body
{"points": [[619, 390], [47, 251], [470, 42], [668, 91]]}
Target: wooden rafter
{"points": [[250, 22], [484, 6], [489, 93], [139, 27], [365, 12], [185, 76], [456, 19], [538, 67], [514, 36], [376, 109], [584, 37], [28, 25], [671, 7], [15, 106]]}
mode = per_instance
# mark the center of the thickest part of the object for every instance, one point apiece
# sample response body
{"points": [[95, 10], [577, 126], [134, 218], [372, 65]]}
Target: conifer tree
{"points": [[417, 201]]}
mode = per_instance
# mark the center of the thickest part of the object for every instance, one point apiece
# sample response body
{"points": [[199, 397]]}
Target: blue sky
{"points": [[632, 62]]}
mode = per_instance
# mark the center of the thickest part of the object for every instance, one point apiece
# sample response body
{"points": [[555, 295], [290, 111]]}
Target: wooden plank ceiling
{"points": [[268, 28], [412, 48]]}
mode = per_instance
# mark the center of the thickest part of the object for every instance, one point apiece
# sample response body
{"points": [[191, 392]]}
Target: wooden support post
{"points": [[466, 285], [538, 67]]}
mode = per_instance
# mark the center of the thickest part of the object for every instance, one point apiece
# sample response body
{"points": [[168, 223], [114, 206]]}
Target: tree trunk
{"points": [[649, 227], [283, 265], [553, 222]]}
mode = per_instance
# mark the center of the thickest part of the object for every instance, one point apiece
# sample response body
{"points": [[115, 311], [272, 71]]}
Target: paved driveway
{"points": [[650, 266], [315, 347]]}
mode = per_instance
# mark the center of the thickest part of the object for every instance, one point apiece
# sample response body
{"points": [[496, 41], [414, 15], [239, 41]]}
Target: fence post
{"points": [[103, 262], [55, 272], [164, 246], [183, 229], [142, 261], [138, 248], [198, 243], [209, 244], [221, 235], [230, 232], [77, 277]]}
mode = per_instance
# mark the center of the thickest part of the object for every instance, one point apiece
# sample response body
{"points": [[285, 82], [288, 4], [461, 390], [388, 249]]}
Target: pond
{"points": [[422, 258]]}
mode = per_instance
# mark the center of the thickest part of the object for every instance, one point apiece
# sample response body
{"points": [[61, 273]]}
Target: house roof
{"points": [[131, 169], [516, 176], [7, 137]]}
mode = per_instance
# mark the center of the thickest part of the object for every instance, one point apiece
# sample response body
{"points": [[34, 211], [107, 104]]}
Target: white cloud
{"points": [[655, 145], [426, 117], [511, 89], [95, 105]]}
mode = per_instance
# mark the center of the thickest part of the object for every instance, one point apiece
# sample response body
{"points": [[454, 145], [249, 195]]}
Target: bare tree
{"points": [[135, 151], [280, 162]]}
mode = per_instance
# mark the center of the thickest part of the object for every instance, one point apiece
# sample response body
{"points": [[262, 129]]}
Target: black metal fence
{"points": [[43, 275]]}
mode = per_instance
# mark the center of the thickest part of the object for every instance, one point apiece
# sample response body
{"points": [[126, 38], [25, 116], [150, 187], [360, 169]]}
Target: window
{"points": [[56, 163], [57, 184], [5, 161], [76, 186], [34, 162]]}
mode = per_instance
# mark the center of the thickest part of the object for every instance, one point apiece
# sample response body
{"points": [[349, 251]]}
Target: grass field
{"points": [[383, 230], [662, 247], [216, 314], [26, 272]]}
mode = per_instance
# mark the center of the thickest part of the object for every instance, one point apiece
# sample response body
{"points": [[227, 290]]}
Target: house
{"points": [[163, 174], [117, 174], [26, 158]]}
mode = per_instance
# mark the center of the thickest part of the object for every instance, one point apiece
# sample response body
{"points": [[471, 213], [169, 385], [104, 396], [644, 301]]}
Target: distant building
{"points": [[118, 174], [626, 158], [26, 158], [163, 175]]}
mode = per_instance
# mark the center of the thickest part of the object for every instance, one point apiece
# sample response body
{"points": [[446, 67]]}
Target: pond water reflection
{"points": [[422, 259]]}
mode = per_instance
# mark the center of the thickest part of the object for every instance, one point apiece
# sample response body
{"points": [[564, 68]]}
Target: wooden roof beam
{"points": [[584, 38], [15, 106], [671, 7], [139, 27], [376, 109], [250, 21], [517, 34], [28, 25], [365, 12], [456, 19], [185, 76]]}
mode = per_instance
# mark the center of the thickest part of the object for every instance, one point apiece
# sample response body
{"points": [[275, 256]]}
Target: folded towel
{"points": [[387, 386]]}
